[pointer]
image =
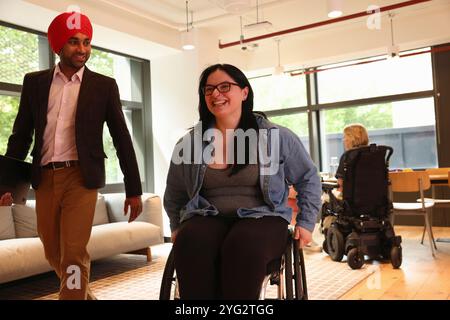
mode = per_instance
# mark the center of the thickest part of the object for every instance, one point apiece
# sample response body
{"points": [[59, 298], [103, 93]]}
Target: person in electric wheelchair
{"points": [[229, 218], [357, 221]]}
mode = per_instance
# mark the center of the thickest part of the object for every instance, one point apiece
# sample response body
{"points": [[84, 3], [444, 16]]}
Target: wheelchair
{"points": [[360, 225], [287, 273]]}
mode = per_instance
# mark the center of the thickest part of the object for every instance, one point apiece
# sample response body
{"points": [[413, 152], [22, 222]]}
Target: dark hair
{"points": [[247, 121]]}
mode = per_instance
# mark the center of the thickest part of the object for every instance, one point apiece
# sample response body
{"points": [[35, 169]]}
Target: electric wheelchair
{"points": [[359, 225], [287, 273]]}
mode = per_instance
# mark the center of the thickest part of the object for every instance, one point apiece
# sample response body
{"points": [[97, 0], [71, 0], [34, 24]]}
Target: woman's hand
{"points": [[303, 236]]}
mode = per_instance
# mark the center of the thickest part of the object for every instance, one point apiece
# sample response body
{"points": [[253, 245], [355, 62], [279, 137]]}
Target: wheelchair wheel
{"points": [[324, 246], [301, 292], [335, 243], [396, 256], [288, 275], [386, 252], [355, 258], [168, 278]]}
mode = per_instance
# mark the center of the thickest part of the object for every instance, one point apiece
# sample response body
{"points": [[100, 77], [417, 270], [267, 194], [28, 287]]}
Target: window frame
{"points": [[313, 108]]}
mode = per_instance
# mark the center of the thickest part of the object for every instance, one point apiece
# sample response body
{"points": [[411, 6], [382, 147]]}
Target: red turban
{"points": [[65, 26]]}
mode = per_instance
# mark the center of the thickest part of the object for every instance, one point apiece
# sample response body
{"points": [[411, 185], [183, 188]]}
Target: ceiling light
{"points": [[334, 8], [279, 69], [187, 40], [393, 49], [259, 24], [187, 37]]}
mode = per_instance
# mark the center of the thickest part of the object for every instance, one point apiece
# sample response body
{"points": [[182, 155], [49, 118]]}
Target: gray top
{"points": [[228, 193]]}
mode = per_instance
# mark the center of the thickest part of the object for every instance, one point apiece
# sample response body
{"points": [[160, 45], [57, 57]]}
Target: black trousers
{"points": [[226, 258]]}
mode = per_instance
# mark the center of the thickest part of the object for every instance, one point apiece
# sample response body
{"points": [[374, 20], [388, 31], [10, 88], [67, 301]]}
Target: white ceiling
{"points": [[282, 14]]}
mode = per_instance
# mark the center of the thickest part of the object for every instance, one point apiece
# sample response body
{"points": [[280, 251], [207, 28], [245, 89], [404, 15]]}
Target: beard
{"points": [[75, 61]]}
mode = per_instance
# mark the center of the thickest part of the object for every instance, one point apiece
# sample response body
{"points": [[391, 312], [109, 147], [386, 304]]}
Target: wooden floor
{"points": [[420, 277]]}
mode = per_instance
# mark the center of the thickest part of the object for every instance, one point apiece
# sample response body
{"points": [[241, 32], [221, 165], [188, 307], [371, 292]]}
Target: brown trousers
{"points": [[65, 212]]}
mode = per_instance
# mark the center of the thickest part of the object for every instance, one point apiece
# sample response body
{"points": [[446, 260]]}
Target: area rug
{"points": [[131, 277]]}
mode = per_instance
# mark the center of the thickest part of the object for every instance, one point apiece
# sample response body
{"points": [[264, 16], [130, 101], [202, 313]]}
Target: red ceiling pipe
{"points": [[321, 23]]}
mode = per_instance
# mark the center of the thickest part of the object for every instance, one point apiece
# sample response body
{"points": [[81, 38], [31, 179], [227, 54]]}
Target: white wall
{"points": [[174, 104]]}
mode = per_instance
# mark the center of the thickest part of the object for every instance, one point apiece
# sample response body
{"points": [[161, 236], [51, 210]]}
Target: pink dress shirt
{"points": [[59, 135]]}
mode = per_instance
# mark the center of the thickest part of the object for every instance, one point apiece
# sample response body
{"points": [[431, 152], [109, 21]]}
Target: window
{"points": [[381, 78], [407, 126], [275, 93], [278, 92], [19, 54], [298, 123], [119, 68], [113, 171], [127, 73], [8, 110]]}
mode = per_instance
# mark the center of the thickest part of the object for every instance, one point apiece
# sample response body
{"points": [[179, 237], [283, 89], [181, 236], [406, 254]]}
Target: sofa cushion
{"points": [[121, 237], [21, 258], [25, 221], [101, 213], [7, 230]]}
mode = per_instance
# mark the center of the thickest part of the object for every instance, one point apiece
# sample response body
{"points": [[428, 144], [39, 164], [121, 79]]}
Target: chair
{"points": [[414, 181], [438, 203], [287, 273]]}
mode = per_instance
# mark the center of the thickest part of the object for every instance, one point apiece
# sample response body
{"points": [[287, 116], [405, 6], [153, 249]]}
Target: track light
{"points": [[393, 49], [334, 8], [187, 37], [279, 69]]}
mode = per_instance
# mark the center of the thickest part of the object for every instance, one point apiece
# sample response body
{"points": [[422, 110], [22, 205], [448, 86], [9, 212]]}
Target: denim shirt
{"points": [[289, 164]]}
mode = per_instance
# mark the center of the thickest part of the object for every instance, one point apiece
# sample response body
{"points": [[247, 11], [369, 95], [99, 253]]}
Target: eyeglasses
{"points": [[221, 87]]}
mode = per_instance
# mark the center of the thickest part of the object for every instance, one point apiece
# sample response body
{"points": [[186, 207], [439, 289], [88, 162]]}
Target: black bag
{"points": [[15, 177]]}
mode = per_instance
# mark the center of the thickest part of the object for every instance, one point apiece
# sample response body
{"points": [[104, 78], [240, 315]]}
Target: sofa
{"points": [[22, 253]]}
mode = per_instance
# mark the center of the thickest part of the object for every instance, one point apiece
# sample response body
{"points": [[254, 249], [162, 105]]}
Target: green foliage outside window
{"points": [[19, 54], [101, 62], [8, 111], [298, 123], [377, 116]]}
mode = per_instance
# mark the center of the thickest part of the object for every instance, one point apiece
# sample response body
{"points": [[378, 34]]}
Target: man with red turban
{"points": [[65, 108]]}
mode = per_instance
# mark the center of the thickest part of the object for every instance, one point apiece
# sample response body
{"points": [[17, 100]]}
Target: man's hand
{"points": [[303, 236], [174, 235], [135, 204], [6, 199]]}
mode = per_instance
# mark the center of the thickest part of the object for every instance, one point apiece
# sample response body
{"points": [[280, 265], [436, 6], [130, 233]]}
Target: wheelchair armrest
{"points": [[328, 186]]}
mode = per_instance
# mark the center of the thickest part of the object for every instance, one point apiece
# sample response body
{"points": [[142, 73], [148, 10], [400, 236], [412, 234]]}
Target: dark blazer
{"points": [[98, 102]]}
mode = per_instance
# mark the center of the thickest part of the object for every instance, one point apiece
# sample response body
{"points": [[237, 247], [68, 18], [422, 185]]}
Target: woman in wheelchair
{"points": [[355, 219], [354, 136], [227, 191]]}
